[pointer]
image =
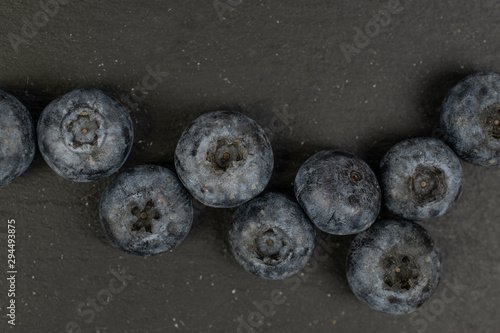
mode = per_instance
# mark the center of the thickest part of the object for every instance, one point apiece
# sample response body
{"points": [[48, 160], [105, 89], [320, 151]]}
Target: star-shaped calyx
{"points": [[145, 217]]}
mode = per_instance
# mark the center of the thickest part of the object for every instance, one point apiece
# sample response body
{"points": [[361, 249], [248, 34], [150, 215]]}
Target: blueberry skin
{"points": [[470, 119], [421, 178], [394, 266], [146, 211], [224, 159], [85, 135], [339, 192], [271, 237], [17, 138]]}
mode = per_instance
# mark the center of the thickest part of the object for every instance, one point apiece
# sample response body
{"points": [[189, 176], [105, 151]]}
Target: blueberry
{"points": [[421, 178], [224, 159], [85, 135], [339, 192], [146, 211], [394, 266], [17, 138], [271, 237], [470, 119]]}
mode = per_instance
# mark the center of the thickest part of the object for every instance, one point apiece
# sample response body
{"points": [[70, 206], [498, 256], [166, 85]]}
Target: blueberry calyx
{"points": [[145, 217], [225, 153], [83, 127], [400, 272], [428, 184], [271, 246], [84, 130]]}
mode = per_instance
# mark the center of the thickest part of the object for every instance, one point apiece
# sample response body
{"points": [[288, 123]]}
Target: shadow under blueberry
{"points": [[287, 162], [220, 222], [337, 248], [142, 120], [90, 202], [35, 101], [435, 88]]}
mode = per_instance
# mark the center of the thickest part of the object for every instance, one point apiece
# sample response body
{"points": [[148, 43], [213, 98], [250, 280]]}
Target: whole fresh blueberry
{"points": [[85, 135], [421, 178], [339, 192], [271, 237], [224, 159], [17, 138], [470, 119], [146, 211], [394, 266]]}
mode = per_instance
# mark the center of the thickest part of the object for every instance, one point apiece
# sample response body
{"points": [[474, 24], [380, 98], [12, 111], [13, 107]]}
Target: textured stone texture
{"points": [[281, 64]]}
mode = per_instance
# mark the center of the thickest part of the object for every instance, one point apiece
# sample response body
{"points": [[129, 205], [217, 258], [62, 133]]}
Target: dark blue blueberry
{"points": [[339, 192], [85, 135], [421, 178], [17, 138], [470, 119], [146, 211], [394, 266], [224, 159], [271, 237]]}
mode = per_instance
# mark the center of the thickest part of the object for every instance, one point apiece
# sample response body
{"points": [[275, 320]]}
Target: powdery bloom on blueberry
{"points": [[17, 138], [224, 159], [85, 135]]}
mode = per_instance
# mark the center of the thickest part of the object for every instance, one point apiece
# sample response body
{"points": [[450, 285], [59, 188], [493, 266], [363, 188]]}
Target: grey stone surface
{"points": [[284, 64]]}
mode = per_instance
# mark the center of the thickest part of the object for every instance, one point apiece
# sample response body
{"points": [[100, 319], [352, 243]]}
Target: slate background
{"points": [[281, 63]]}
